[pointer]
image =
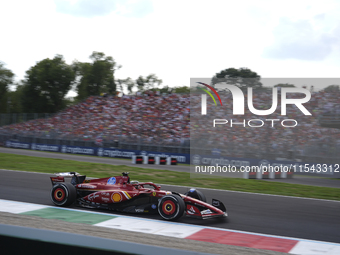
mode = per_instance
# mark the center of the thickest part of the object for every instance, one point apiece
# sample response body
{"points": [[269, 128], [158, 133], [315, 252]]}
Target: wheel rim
{"points": [[59, 194], [168, 207], [171, 207]]}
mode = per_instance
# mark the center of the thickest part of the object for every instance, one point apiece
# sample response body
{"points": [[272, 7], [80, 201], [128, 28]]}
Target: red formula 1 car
{"points": [[118, 193]]}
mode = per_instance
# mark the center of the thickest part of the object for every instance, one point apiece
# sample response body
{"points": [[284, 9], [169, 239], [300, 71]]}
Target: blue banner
{"points": [[11, 144], [92, 151]]}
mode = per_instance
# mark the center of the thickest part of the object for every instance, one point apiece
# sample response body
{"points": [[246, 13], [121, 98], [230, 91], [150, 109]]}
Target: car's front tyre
{"points": [[63, 194], [171, 207]]}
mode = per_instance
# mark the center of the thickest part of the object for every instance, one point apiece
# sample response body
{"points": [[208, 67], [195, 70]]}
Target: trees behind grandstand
{"points": [[242, 77], [128, 83], [332, 88], [96, 77], [148, 83], [46, 85], [6, 78], [284, 85]]}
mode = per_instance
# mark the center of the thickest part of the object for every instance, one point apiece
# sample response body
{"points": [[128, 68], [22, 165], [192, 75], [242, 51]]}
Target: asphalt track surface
{"points": [[267, 214]]}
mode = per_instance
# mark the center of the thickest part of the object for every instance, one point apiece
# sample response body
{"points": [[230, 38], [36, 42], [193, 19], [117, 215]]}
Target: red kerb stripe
{"points": [[245, 240]]}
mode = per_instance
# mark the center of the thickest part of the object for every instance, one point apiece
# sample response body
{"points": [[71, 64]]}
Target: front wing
{"points": [[198, 209]]}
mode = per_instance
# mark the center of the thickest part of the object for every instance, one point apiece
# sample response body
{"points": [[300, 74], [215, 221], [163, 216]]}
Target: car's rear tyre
{"points": [[194, 193], [63, 194], [171, 207]]}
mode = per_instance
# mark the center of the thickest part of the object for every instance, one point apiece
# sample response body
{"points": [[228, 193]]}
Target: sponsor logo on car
{"points": [[111, 181], [116, 197], [92, 196], [206, 212], [216, 203], [57, 180], [105, 199], [191, 210], [86, 186]]}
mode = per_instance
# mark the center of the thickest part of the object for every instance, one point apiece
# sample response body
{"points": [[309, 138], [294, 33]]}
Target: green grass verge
{"points": [[48, 165]]}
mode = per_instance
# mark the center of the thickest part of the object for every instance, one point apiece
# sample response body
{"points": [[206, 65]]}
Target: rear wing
{"points": [[76, 178], [57, 179], [67, 174]]}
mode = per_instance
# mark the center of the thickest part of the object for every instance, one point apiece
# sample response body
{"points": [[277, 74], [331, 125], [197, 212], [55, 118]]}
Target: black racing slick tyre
{"points": [[171, 207], [194, 193], [63, 194]]}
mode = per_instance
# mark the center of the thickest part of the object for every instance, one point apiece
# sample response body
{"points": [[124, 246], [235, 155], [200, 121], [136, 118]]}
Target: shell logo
{"points": [[116, 197]]}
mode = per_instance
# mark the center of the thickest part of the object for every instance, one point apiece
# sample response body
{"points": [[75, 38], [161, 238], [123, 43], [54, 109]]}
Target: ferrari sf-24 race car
{"points": [[118, 193]]}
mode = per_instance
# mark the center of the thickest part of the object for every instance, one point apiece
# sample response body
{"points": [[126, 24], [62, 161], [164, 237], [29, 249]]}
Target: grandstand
{"points": [[129, 122]]}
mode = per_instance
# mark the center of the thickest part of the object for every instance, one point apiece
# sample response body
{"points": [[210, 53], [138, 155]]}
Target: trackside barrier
{"points": [[260, 174], [263, 175], [278, 175], [148, 160], [151, 160], [161, 160], [171, 161], [290, 174], [272, 175], [137, 159], [249, 175]]}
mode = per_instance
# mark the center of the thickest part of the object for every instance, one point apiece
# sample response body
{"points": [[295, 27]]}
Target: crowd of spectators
{"points": [[166, 119], [148, 119]]}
